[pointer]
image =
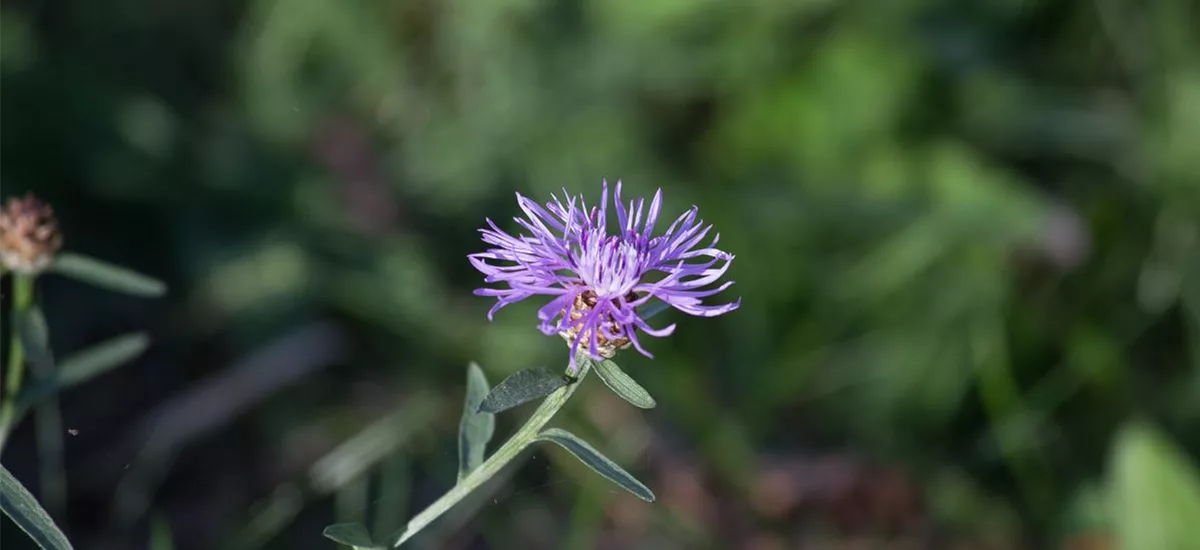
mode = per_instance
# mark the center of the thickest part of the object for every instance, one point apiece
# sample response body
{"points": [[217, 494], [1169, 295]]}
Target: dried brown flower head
{"points": [[29, 235]]}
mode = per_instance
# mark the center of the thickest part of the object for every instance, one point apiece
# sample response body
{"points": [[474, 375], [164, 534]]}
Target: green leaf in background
{"points": [[522, 387], [1155, 492], [85, 365], [476, 428], [623, 385], [161, 537], [598, 462], [106, 275], [25, 511], [651, 309], [350, 534], [35, 338]]}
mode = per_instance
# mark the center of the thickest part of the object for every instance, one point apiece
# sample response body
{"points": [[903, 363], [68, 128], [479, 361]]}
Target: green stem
{"points": [[506, 453], [22, 300]]}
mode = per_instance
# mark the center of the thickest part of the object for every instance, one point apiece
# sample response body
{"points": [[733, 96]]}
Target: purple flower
{"points": [[598, 280]]}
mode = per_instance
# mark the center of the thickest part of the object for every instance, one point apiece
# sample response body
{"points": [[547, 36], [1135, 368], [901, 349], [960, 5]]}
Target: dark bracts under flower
{"points": [[598, 280], [29, 235]]}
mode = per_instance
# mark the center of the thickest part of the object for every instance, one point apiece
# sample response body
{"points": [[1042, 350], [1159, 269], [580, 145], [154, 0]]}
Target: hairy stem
{"points": [[22, 293], [505, 454]]}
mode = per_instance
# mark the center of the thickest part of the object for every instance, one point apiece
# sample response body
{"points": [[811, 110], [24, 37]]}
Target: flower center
{"points": [[609, 337], [609, 265]]}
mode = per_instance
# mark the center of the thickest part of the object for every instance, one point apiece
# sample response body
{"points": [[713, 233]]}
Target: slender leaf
{"points": [[476, 428], [1155, 492], [623, 385], [35, 338], [25, 511], [105, 275], [85, 365], [522, 387], [350, 534], [598, 462]]}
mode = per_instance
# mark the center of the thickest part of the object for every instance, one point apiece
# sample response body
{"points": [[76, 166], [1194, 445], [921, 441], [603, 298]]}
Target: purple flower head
{"points": [[598, 280]]}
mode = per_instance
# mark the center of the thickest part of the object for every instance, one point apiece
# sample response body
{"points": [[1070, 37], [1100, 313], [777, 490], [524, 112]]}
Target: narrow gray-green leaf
{"points": [[522, 387], [476, 428], [86, 364], [106, 275], [598, 462], [35, 338], [25, 511], [623, 385], [350, 534]]}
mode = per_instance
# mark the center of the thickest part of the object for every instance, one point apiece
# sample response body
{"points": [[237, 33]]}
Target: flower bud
{"points": [[29, 235]]}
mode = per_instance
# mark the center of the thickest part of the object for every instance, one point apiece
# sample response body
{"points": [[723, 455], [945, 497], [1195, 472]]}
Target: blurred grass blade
{"points": [[522, 387], [350, 534], [598, 462], [1155, 492], [106, 275], [161, 537], [268, 519], [393, 488], [895, 262], [354, 457], [623, 385], [476, 428], [351, 500], [25, 511], [85, 365], [654, 308], [35, 338]]}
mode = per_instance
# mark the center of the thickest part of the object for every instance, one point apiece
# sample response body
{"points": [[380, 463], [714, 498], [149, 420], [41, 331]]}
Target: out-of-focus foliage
{"points": [[1156, 493], [968, 240]]}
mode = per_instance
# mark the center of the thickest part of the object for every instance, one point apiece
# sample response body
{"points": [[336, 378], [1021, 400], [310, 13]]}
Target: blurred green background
{"points": [[968, 240]]}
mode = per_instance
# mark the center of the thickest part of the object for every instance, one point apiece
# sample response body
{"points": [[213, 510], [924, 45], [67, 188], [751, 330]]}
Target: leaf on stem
{"points": [[522, 387], [351, 534], [85, 365], [105, 275], [25, 511], [598, 462], [624, 386], [476, 428]]}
